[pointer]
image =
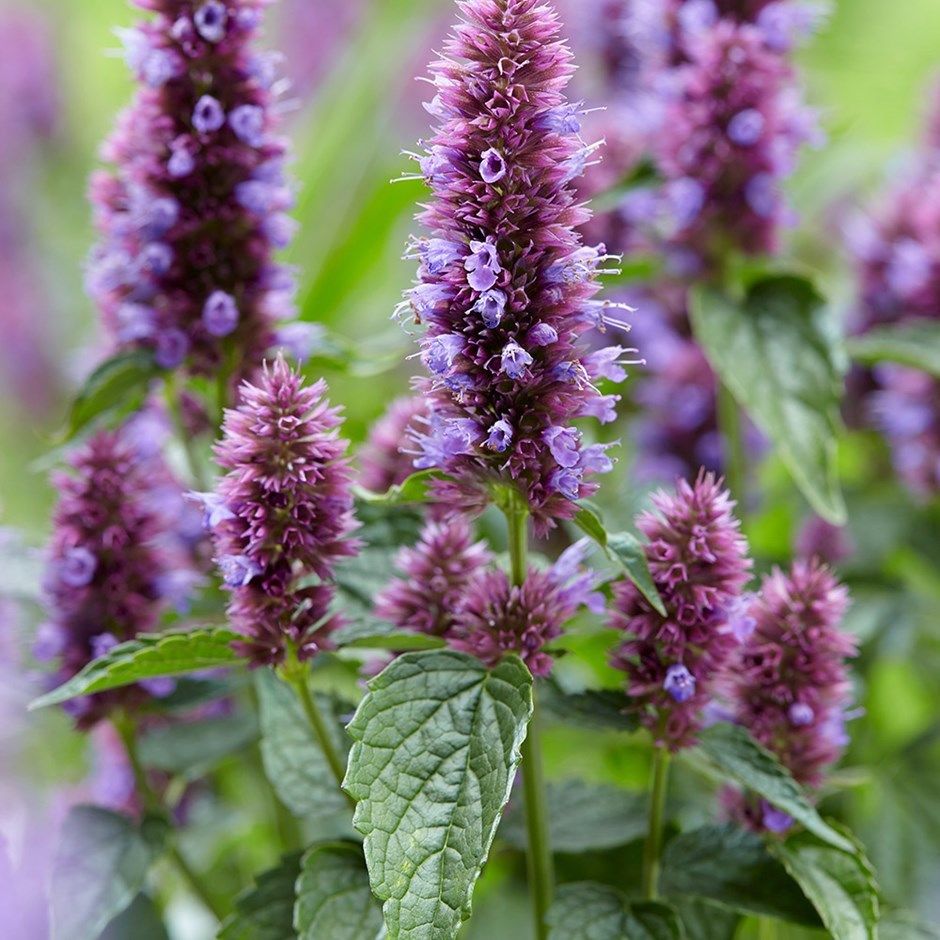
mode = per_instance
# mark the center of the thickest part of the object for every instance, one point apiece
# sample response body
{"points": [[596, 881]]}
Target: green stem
{"points": [[194, 464], [766, 928], [152, 803], [652, 850], [539, 855], [730, 423]]}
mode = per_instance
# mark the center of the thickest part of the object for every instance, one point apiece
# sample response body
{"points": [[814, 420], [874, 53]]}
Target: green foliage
{"points": [[192, 748], [412, 490], [771, 350], [150, 656], [592, 709], [266, 910], [141, 921], [436, 747], [915, 344], [586, 911]]}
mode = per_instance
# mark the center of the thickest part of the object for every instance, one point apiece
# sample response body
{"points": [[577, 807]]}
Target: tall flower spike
{"points": [[496, 617], [505, 287], [789, 684], [282, 513], [196, 206], [437, 571], [110, 566], [382, 462], [699, 563]]}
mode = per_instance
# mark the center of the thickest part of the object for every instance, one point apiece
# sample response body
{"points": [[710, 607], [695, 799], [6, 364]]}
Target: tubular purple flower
{"points": [[194, 209], [283, 513], [437, 571], [699, 563], [505, 288]]}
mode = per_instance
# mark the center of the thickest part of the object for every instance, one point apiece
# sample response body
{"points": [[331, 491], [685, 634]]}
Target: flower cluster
{"points": [[110, 569], [789, 686], [282, 516], [505, 288], [196, 206], [699, 562], [382, 462], [437, 571]]}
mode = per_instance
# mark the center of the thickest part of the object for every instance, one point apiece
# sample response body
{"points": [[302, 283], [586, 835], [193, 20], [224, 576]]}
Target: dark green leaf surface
{"points": [[900, 925], [334, 901], [582, 816], [192, 748], [436, 748], [141, 921], [291, 754], [773, 354], [412, 490], [100, 865], [732, 866], [915, 344], [702, 920], [735, 756], [266, 910], [587, 911], [150, 656], [595, 709]]}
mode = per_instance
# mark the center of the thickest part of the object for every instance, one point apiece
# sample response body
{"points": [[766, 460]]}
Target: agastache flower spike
{"points": [[698, 560], [505, 287], [194, 209], [382, 463], [789, 685], [283, 513]]}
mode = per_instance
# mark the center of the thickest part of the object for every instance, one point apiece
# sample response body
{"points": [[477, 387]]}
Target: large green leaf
{"points": [[900, 925], [141, 921], [437, 743], [412, 490], [582, 816], [587, 911], [191, 748], [594, 709], [731, 866], [150, 656], [334, 901], [702, 920], [915, 344], [293, 760], [772, 352], [733, 755], [840, 884], [266, 910], [100, 865]]}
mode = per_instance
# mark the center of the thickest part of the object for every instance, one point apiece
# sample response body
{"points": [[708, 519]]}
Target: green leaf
{"points": [[901, 925], [840, 884], [594, 709], [150, 656], [389, 526], [624, 548], [266, 910], [436, 748], [588, 911], [100, 865], [582, 816], [773, 354], [736, 757], [21, 569], [190, 749], [293, 760], [334, 901], [412, 490], [141, 921], [702, 920], [115, 389], [733, 867], [915, 344], [397, 641]]}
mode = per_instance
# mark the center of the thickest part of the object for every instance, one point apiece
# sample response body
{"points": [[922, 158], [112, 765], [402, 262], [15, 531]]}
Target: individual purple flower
{"points": [[436, 573], [509, 302], [195, 207], [789, 684], [289, 515], [109, 553], [497, 617], [382, 462], [699, 563]]}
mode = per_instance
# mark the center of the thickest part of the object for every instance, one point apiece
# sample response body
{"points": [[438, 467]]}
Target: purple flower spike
{"points": [[382, 460], [288, 491], [698, 560], [500, 164]]}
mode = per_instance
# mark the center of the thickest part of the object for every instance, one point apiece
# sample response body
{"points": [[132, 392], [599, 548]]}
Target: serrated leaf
{"points": [[733, 867], [150, 656], [266, 910], [915, 343], [396, 641], [100, 865], [412, 490], [840, 885], [437, 743], [116, 388], [192, 748], [595, 709], [588, 911], [772, 353], [388, 526], [293, 760], [141, 921], [704, 921], [736, 757], [334, 901], [582, 816], [625, 549]]}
